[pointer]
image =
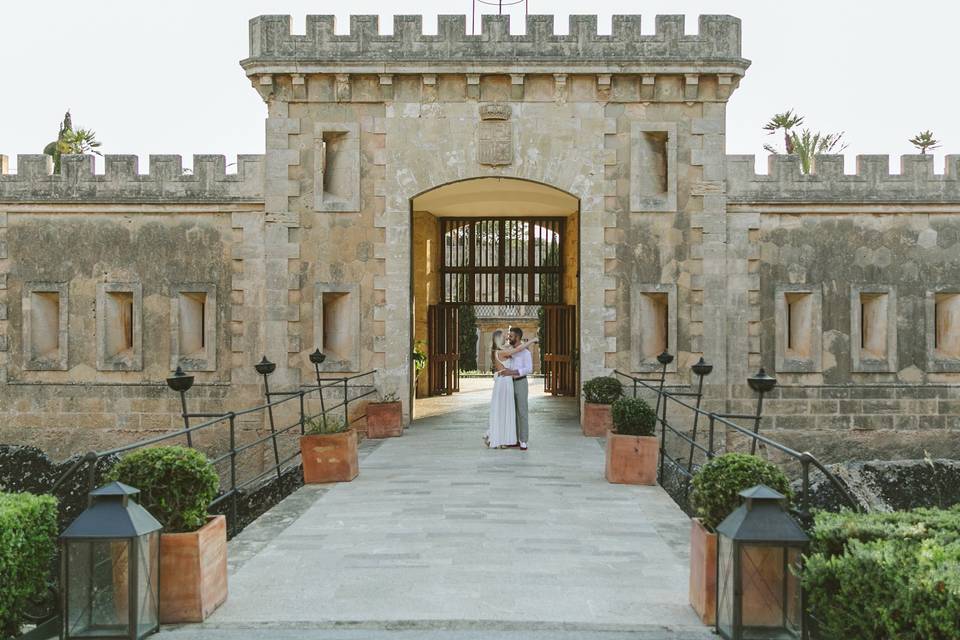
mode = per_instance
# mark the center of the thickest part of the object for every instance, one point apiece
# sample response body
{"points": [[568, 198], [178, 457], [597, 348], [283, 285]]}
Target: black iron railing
{"points": [[693, 451], [275, 402]]}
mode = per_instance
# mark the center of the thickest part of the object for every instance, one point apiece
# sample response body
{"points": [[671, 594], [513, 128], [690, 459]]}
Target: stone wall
{"points": [[846, 287], [861, 269]]}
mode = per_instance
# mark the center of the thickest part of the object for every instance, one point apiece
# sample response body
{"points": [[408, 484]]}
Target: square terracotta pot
{"points": [[193, 572], [330, 457], [703, 572], [384, 419], [596, 420], [631, 459]]}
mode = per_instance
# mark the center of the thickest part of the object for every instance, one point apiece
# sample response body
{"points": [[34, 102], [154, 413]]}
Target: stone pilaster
{"points": [[4, 301], [280, 256], [711, 285]]}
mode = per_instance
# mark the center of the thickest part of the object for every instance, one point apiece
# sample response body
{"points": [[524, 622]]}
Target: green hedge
{"points": [[633, 417], [176, 484], [832, 531], [886, 575], [28, 535]]}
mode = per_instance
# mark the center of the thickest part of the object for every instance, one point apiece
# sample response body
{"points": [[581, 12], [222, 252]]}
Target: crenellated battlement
{"points": [[716, 45], [827, 183], [122, 181]]}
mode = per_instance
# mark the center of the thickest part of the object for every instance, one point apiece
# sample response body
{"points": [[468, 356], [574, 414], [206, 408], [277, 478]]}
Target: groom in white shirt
{"points": [[523, 366]]}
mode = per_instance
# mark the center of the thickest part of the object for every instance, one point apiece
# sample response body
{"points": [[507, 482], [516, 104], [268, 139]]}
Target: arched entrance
{"points": [[492, 253]]}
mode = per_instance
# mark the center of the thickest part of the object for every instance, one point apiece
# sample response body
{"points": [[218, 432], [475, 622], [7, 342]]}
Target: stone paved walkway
{"points": [[441, 538]]}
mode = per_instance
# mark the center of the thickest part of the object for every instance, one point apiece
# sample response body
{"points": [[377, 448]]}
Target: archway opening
{"points": [[493, 253]]}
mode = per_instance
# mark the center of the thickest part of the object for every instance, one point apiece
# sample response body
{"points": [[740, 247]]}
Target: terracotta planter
{"points": [[193, 572], [330, 457], [703, 572], [384, 419], [596, 420], [631, 459]]}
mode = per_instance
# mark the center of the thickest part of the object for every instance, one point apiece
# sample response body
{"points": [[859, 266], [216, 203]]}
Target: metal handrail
{"points": [[665, 396], [234, 488]]}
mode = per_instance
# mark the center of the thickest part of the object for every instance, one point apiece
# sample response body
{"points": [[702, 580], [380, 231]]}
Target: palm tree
{"points": [[808, 144], [786, 121], [70, 140], [923, 141]]}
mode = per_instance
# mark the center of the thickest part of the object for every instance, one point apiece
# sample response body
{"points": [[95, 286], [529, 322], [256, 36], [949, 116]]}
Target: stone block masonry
{"points": [[846, 287], [121, 181], [717, 46]]}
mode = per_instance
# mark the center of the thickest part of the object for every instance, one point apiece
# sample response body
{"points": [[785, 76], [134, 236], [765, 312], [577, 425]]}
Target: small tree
{"points": [[786, 121], [924, 140], [808, 144], [70, 140], [468, 338]]}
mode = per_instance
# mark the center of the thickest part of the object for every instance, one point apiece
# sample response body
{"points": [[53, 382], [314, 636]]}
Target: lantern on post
{"points": [[759, 547], [109, 571]]}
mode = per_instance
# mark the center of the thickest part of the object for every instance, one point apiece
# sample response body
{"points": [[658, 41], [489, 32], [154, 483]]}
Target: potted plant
{"points": [[598, 395], [716, 493], [329, 451], [177, 485], [631, 445], [385, 418]]}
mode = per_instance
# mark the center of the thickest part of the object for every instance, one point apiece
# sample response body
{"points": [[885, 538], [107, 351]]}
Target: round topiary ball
{"points": [[602, 390], [633, 417], [718, 483], [176, 484]]}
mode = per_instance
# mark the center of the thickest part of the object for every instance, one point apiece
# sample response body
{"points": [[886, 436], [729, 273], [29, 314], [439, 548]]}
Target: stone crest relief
{"points": [[495, 134]]}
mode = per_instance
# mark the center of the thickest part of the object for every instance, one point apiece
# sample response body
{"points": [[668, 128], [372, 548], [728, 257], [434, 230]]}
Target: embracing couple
{"points": [[512, 363]]}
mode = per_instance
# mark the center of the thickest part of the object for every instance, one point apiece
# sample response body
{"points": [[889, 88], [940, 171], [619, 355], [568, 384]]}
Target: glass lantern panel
{"points": [[725, 586], [148, 550], [763, 576], [794, 602], [98, 588]]}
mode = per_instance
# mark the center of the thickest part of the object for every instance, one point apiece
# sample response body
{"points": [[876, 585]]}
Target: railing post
{"points": [[303, 415], [346, 408], [664, 359], [92, 478], [762, 384], [713, 420], [181, 383], [805, 458], [265, 368], [701, 369], [317, 358], [233, 472], [634, 387]]}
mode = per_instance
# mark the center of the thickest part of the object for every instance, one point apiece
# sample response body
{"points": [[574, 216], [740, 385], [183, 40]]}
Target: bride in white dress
{"points": [[502, 425]]}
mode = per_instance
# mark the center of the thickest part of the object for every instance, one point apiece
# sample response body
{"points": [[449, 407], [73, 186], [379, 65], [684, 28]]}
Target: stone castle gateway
{"points": [[846, 287]]}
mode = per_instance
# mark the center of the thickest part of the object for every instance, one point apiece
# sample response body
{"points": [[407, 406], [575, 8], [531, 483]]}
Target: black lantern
{"points": [[110, 566], [759, 547]]}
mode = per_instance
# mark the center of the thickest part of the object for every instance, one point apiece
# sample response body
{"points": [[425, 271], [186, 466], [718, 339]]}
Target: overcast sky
{"points": [[162, 77]]}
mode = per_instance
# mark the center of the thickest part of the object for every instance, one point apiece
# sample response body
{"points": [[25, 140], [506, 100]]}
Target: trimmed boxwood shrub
{"points": [[602, 390], [633, 417], [176, 484], [718, 483], [28, 534], [889, 575], [832, 531]]}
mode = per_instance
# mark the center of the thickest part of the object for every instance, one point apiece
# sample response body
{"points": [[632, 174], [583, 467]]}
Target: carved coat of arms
{"points": [[495, 134]]}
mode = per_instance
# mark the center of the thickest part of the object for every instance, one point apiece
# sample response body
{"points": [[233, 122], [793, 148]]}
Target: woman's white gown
{"points": [[502, 428]]}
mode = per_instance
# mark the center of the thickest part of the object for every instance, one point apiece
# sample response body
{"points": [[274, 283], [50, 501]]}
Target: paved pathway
{"points": [[441, 538]]}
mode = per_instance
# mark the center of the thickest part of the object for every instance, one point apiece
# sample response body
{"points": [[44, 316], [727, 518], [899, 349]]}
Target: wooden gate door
{"points": [[443, 351], [559, 349]]}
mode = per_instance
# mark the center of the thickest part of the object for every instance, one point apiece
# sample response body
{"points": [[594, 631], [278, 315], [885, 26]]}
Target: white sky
{"points": [[162, 77]]}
